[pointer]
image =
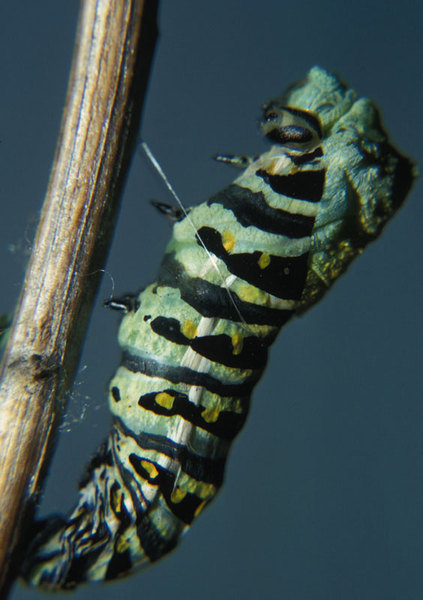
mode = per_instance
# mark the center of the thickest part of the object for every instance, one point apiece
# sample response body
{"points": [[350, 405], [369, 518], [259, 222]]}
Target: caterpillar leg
{"points": [[123, 304], [235, 160], [173, 213]]}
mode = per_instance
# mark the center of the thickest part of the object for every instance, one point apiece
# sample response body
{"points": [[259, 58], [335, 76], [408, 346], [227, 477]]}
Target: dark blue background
{"points": [[324, 491]]}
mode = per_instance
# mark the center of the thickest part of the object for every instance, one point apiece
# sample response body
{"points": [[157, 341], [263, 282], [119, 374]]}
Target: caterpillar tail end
{"points": [[47, 559]]}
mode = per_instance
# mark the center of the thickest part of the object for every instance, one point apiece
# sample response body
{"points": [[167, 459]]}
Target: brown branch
{"points": [[114, 47]]}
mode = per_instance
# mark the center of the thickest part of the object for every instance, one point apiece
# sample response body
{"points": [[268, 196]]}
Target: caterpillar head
{"points": [[366, 178]]}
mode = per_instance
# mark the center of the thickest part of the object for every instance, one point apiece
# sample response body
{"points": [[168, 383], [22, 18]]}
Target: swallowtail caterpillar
{"points": [[195, 342]]}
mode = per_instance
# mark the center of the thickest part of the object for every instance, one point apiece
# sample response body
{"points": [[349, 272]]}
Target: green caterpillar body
{"points": [[195, 343]]}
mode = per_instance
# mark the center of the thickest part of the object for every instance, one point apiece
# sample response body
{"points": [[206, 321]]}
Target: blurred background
{"points": [[324, 487]]}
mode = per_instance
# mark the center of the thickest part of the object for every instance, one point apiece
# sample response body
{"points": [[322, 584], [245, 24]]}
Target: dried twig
{"points": [[114, 46]]}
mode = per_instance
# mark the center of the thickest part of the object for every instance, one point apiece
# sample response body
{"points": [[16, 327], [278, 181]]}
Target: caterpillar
{"points": [[195, 342]]}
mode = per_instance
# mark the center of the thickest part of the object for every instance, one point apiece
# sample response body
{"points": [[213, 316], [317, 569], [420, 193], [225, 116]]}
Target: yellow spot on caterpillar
{"points": [[210, 415], [228, 241], [165, 400], [177, 495], [189, 329], [249, 293], [150, 468], [199, 509], [122, 544], [237, 343], [187, 485], [264, 260], [117, 500], [286, 271], [205, 490]]}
